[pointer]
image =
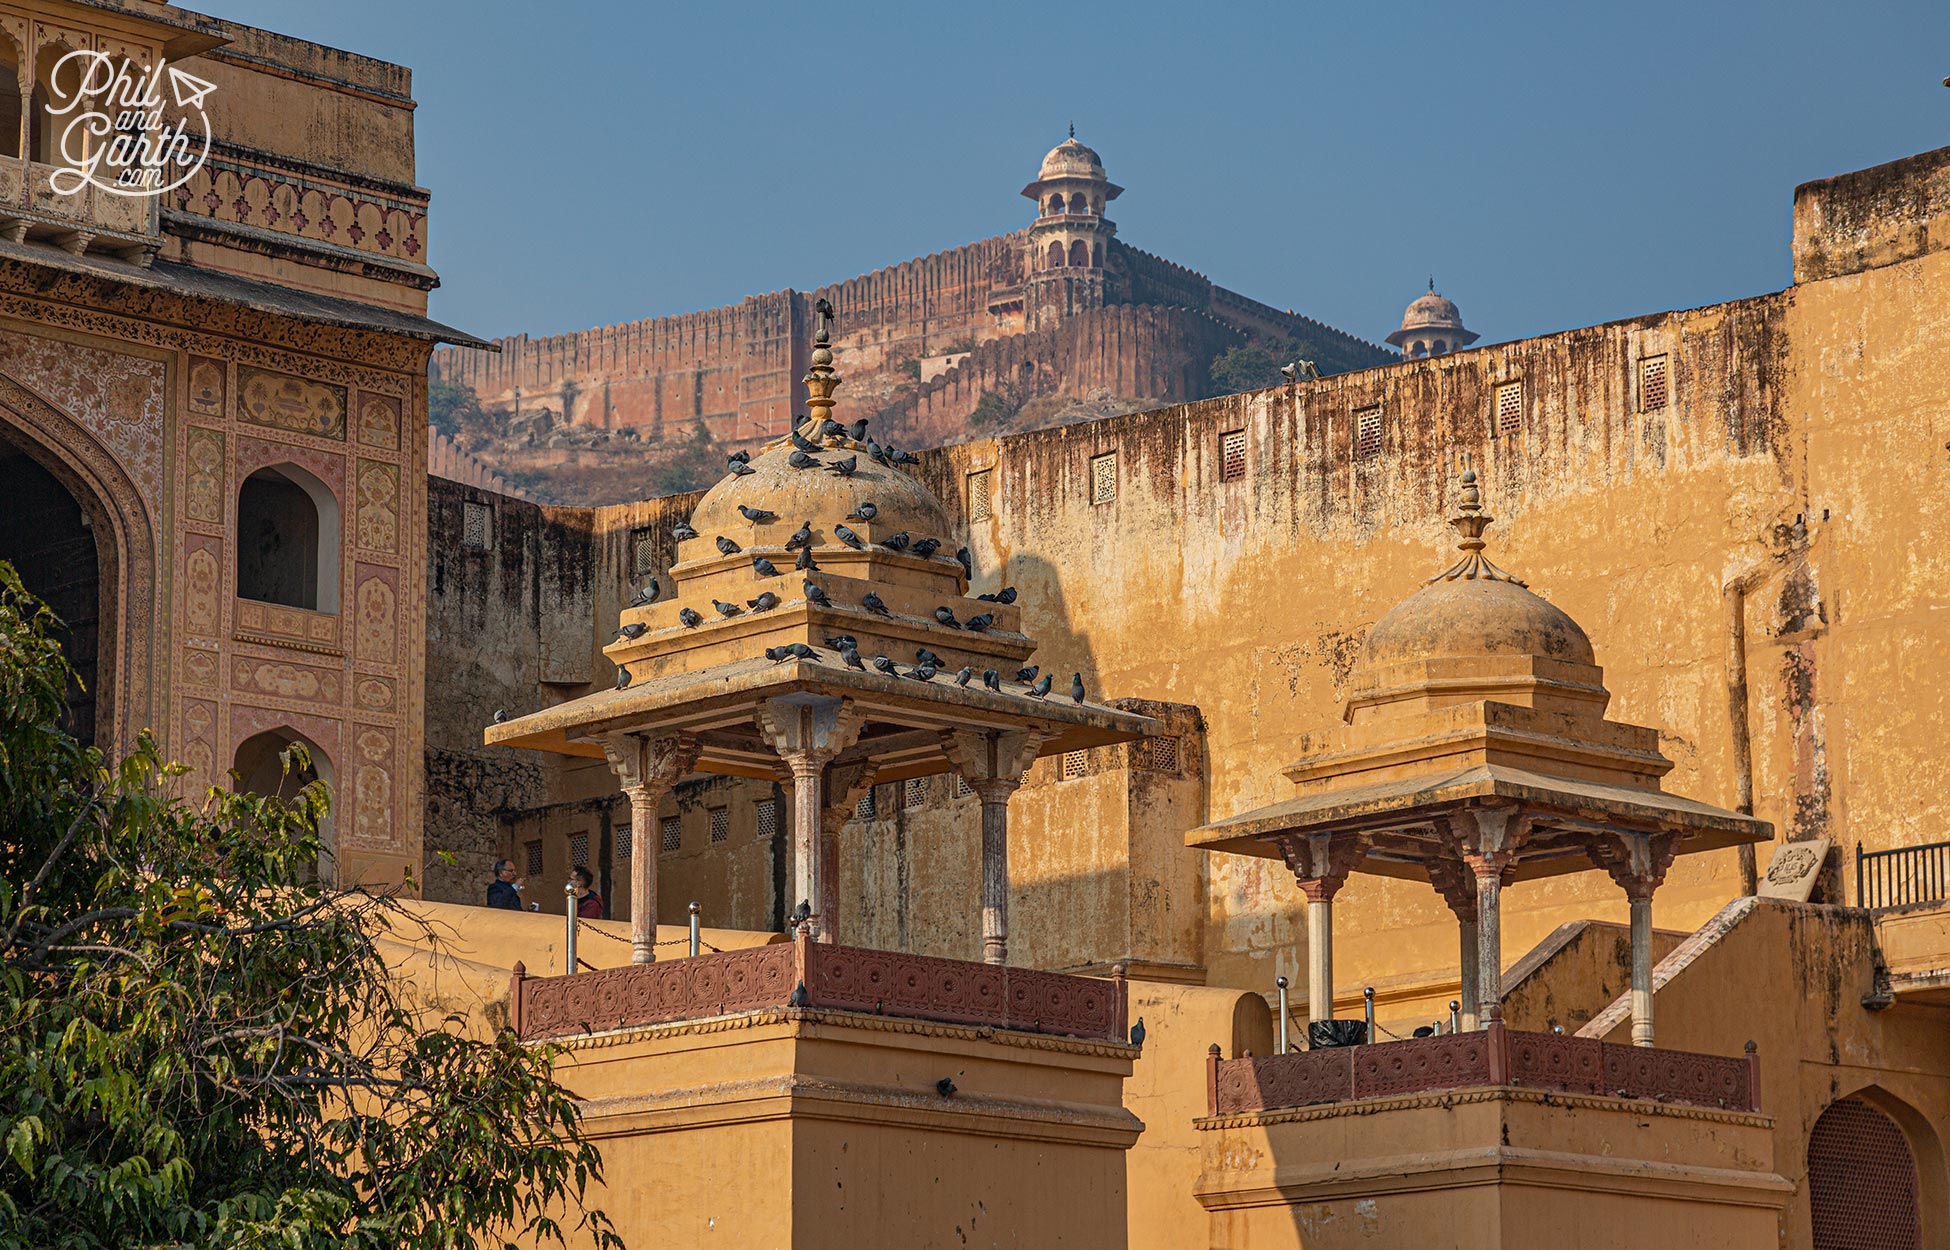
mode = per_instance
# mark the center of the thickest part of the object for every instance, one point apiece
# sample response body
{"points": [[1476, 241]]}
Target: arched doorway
{"points": [[126, 640], [49, 540], [1862, 1191], [259, 768]]}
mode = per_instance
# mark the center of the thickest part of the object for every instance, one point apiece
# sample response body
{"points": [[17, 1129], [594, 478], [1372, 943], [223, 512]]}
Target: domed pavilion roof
{"points": [[1071, 159], [1475, 630], [1431, 313], [822, 496], [1068, 161]]}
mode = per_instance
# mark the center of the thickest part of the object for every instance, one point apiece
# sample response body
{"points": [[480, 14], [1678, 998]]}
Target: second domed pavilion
{"points": [[705, 697], [1476, 753]]}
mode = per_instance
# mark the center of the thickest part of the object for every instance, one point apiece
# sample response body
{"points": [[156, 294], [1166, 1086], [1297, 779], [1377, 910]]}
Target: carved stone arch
{"points": [[1849, 1127], [126, 698]]}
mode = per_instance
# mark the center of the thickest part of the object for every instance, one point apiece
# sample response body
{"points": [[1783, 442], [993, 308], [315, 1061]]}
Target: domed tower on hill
{"points": [[1068, 238], [1432, 326]]}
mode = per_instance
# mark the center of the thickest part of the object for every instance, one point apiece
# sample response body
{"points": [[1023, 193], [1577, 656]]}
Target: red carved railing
{"points": [[1495, 1056], [835, 978]]}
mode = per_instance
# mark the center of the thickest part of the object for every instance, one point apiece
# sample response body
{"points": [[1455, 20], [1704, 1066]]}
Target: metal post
{"points": [[1281, 982], [697, 941], [569, 893], [1367, 997], [1455, 1016]]}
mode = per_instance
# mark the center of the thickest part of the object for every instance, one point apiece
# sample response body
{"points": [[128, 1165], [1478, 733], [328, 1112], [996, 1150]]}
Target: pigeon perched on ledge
{"points": [[647, 595], [1027, 673], [633, 631], [865, 512], [757, 516], [848, 537], [801, 537], [816, 595], [845, 467], [1041, 689], [622, 679], [851, 657], [805, 563], [992, 680], [873, 603], [689, 617], [726, 547], [725, 609], [896, 542], [682, 531], [740, 469], [927, 547], [886, 666], [946, 617], [961, 678], [976, 624], [764, 567], [739, 457], [764, 603], [1005, 596], [1076, 687], [924, 656], [800, 460]]}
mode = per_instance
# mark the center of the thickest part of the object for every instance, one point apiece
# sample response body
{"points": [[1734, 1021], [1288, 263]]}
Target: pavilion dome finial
{"points": [[1476, 631]]}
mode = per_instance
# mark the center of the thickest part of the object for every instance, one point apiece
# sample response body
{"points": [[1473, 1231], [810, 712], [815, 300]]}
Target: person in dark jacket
{"points": [[589, 904], [504, 891]]}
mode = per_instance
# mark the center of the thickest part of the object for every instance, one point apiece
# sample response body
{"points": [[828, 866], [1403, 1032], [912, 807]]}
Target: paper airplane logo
{"points": [[189, 89]]}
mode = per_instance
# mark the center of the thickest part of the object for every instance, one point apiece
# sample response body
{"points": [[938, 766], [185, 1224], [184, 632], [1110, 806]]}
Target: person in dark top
{"points": [[589, 904], [504, 891]]}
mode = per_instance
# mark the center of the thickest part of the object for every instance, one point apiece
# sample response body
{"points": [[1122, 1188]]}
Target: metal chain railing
{"points": [[592, 926]]}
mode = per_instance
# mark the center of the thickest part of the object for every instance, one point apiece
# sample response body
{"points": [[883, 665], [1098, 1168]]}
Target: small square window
{"points": [[767, 813], [673, 833], [625, 839], [1367, 432], [1232, 455], [1509, 406], [476, 525], [1159, 754], [917, 792], [864, 808], [1075, 764], [1652, 384], [979, 508], [643, 552], [534, 859], [720, 824], [1103, 478], [578, 850]]}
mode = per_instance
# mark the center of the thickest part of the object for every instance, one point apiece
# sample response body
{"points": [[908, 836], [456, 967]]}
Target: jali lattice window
{"points": [[962, 788], [476, 525], [917, 792], [1103, 478], [1075, 764], [720, 823], [625, 840], [1509, 406], [864, 808], [1158, 754], [578, 850], [643, 552], [1653, 384], [1232, 455], [673, 833], [978, 495], [534, 850], [767, 813], [1367, 432]]}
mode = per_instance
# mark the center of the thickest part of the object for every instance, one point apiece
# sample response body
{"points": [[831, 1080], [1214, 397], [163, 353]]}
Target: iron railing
{"points": [[1902, 876]]}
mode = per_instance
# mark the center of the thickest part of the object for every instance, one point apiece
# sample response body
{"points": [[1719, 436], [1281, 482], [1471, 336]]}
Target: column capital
{"points": [[992, 755], [1637, 862], [1321, 862], [1487, 839], [846, 784], [1456, 883], [809, 733], [652, 763]]}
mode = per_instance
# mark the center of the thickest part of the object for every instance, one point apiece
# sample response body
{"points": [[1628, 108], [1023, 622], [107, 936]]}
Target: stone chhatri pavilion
{"points": [[705, 697], [1476, 754]]}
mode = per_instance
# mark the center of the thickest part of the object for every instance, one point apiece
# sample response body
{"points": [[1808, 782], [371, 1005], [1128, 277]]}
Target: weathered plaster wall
{"points": [[1794, 463]]}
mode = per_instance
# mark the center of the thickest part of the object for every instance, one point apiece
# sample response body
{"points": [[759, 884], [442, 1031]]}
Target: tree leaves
{"points": [[200, 1043]]}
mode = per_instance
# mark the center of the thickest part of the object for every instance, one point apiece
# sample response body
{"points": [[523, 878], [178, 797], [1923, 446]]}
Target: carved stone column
{"points": [[844, 786], [808, 732], [1638, 863], [647, 767], [1487, 840], [1320, 864], [993, 763], [1458, 889]]}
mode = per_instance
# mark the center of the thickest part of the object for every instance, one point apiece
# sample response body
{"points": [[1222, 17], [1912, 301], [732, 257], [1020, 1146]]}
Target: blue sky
{"points": [[1553, 165]]}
